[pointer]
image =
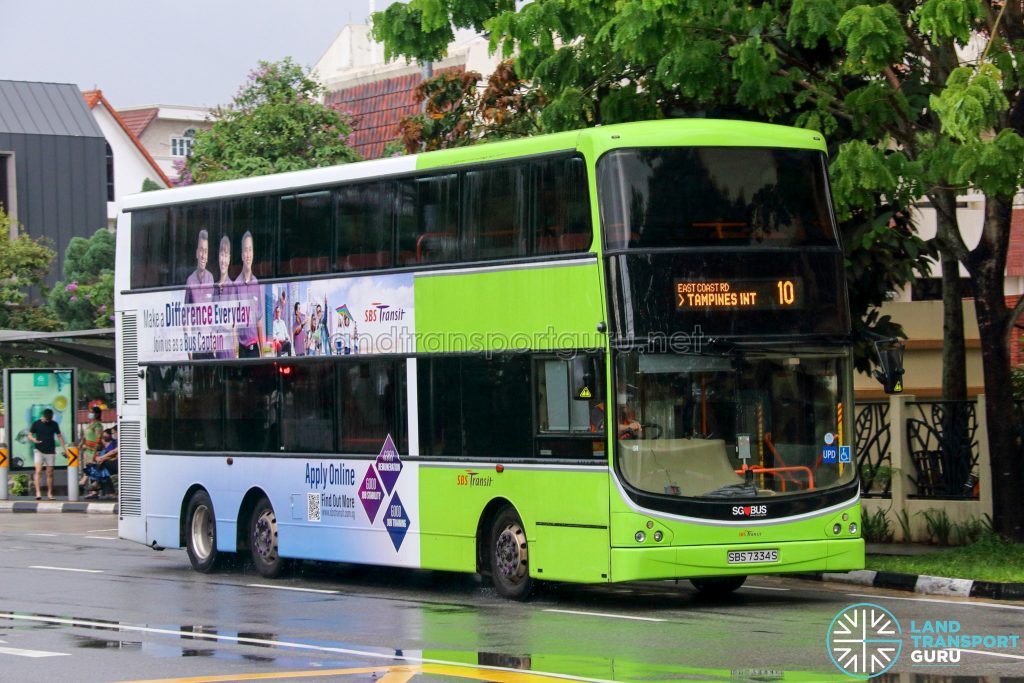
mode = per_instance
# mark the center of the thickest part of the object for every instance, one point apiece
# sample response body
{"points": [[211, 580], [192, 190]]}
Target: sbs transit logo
{"points": [[864, 640]]}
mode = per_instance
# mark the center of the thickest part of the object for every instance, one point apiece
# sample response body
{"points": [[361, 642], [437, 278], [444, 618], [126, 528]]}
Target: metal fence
{"points": [[873, 434], [943, 448]]}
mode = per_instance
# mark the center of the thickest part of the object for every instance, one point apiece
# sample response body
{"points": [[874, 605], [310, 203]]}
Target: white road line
{"points": [[18, 652], [67, 569], [100, 531], [290, 588], [993, 654], [244, 640], [603, 614], [765, 588], [47, 535], [104, 538], [960, 603]]}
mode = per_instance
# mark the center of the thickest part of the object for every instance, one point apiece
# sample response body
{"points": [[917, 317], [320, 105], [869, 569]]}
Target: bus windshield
{"points": [[714, 196], [744, 424]]}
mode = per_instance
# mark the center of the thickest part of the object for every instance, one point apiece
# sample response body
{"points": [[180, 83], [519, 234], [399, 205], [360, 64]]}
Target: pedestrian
{"points": [[43, 433], [92, 436]]}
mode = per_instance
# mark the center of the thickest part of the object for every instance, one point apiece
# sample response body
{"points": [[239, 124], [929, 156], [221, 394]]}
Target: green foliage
{"points": [[938, 526], [24, 264], [873, 38], [148, 185], [971, 102], [1017, 378], [903, 519], [275, 123], [972, 530], [17, 484], [990, 558], [876, 527], [84, 297], [943, 19]]}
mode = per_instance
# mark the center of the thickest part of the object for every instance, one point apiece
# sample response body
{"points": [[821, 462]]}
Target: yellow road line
{"points": [[393, 674]]}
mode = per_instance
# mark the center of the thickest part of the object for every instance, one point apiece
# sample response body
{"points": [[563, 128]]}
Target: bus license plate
{"points": [[750, 556]]}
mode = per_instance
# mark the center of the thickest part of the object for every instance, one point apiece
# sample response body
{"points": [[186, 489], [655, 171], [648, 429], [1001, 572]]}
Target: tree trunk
{"points": [[986, 268], [954, 365]]}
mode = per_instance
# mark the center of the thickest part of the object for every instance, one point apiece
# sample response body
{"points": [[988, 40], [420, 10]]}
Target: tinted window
{"points": [[307, 409], [151, 248], [189, 223], [494, 219], [257, 216], [428, 233], [363, 224], [372, 405], [251, 409], [198, 406], [737, 196], [160, 389], [498, 425], [562, 207], [306, 233], [439, 381]]}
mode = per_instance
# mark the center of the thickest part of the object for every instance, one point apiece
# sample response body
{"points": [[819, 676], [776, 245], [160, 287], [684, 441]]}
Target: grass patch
{"points": [[989, 559]]}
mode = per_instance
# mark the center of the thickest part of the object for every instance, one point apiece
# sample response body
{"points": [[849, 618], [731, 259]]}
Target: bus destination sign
{"points": [[739, 295]]}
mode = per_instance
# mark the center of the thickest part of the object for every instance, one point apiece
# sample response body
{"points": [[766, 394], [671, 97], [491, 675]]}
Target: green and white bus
{"points": [[613, 354]]}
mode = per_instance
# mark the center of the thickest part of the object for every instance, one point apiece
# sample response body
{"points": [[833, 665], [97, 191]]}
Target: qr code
{"points": [[312, 507]]}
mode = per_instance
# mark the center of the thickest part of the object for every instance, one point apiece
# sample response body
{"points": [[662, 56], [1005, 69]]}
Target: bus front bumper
{"points": [[680, 562]]}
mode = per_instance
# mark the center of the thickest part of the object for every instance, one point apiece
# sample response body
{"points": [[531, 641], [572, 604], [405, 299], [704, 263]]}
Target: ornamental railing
{"points": [[943, 448], [874, 461]]}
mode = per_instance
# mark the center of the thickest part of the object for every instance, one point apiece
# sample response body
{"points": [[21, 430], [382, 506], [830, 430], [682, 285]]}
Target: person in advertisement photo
{"points": [[300, 327], [223, 291], [282, 340], [249, 291]]}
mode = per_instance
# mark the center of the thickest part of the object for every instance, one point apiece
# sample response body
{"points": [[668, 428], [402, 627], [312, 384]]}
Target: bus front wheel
{"points": [[263, 541], [509, 555], [201, 534], [719, 586]]}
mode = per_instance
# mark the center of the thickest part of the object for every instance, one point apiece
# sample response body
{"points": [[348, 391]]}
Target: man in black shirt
{"points": [[43, 434]]}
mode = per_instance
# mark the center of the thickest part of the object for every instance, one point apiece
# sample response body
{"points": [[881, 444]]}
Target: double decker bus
{"points": [[614, 354]]}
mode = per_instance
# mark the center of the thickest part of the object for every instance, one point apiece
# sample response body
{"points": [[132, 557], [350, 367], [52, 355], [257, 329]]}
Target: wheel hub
{"points": [[510, 553], [263, 536]]}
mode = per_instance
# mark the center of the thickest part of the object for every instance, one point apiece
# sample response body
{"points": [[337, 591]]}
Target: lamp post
{"points": [[110, 387]]}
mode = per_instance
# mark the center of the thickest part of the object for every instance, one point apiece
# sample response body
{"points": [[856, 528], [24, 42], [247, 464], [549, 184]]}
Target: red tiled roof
{"points": [[377, 108], [94, 97], [138, 119], [1015, 256]]}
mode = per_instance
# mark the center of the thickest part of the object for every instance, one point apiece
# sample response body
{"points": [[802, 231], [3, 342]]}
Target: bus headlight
{"points": [[640, 537], [658, 536], [853, 527], [836, 529]]}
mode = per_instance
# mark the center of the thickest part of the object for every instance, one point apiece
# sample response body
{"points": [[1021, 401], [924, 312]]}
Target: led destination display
{"points": [[747, 294]]}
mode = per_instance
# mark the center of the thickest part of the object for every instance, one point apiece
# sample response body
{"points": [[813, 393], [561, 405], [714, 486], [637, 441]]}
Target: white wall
{"points": [[130, 166]]}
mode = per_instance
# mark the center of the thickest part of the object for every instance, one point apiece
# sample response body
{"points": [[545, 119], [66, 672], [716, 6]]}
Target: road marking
{"points": [[104, 538], [67, 569], [47, 535], [100, 531], [960, 603], [765, 588], [392, 674], [992, 654], [291, 588], [18, 652], [603, 614], [502, 674]]}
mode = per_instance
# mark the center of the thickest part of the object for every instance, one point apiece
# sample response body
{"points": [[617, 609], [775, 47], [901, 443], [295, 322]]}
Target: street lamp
{"points": [[109, 387]]}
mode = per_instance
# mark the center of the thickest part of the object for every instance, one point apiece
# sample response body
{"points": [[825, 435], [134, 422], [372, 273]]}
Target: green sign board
{"points": [[28, 393]]}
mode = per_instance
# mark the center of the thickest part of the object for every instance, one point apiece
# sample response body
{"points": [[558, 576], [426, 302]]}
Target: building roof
{"points": [[94, 97], [30, 108], [377, 108], [138, 119]]}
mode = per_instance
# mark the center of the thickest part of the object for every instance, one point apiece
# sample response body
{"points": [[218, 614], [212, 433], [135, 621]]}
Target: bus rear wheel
{"points": [[263, 541], [201, 533], [509, 556], [719, 586]]}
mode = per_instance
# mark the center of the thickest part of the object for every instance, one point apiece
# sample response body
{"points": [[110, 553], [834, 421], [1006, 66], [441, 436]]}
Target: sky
{"points": [[184, 52]]}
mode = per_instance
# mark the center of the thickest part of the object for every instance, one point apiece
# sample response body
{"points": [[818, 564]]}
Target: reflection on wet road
{"points": [[145, 616]]}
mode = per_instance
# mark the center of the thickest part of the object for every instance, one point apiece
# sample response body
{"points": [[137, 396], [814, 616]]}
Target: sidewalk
{"points": [[30, 504]]}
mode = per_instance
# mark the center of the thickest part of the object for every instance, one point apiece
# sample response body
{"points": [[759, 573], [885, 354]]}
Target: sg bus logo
{"points": [[864, 640]]}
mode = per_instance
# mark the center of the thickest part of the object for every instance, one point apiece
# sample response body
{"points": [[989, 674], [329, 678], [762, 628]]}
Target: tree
{"points": [[455, 114], [923, 98], [24, 265], [275, 123], [83, 298]]}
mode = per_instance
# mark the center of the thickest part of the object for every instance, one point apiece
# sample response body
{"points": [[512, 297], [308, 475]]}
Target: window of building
{"points": [[110, 173], [181, 146]]}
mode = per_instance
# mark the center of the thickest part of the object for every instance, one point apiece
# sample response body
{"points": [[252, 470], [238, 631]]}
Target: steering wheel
{"points": [[648, 430]]}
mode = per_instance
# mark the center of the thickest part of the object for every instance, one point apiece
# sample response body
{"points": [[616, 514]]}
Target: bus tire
{"points": [[509, 556], [718, 586], [263, 541], [201, 533]]}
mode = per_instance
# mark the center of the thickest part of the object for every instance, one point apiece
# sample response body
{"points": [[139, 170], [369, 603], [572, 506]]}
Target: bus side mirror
{"points": [[584, 377], [890, 358]]}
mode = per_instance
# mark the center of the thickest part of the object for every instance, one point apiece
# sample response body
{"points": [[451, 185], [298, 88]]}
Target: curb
{"points": [[49, 506], [924, 584]]}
